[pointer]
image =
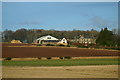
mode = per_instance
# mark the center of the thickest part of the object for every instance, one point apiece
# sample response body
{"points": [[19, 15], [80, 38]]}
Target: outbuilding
{"points": [[16, 41], [50, 40]]}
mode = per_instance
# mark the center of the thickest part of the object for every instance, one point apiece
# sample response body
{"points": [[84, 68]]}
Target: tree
{"points": [[30, 36], [20, 34], [105, 38], [7, 35], [115, 31]]}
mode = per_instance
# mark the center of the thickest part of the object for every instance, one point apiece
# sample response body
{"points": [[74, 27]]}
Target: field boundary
{"points": [[97, 57], [63, 47]]}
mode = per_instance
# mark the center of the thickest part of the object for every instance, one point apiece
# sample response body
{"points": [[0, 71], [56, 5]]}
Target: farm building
{"points": [[16, 41], [63, 41], [50, 40]]}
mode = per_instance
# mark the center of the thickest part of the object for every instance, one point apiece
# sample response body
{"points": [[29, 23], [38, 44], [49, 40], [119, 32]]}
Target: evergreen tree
{"points": [[105, 38]]}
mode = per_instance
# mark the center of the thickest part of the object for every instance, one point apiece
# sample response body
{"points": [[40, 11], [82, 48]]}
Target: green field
{"points": [[70, 62]]}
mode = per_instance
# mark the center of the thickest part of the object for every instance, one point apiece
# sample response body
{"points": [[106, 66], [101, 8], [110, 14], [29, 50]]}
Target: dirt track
{"points": [[105, 71], [53, 52]]}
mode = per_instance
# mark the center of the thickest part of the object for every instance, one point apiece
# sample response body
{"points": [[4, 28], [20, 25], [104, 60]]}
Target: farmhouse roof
{"points": [[46, 38]]}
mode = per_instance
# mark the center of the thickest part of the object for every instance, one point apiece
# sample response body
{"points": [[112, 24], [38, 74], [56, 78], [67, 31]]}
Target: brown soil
{"points": [[53, 52]]}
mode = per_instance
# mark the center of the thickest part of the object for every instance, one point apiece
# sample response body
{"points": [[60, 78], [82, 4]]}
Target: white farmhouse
{"points": [[63, 41]]}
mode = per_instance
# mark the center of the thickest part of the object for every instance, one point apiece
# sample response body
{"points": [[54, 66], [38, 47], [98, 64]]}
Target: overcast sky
{"points": [[59, 15]]}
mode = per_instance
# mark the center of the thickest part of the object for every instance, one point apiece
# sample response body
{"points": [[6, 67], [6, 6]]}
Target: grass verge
{"points": [[71, 62]]}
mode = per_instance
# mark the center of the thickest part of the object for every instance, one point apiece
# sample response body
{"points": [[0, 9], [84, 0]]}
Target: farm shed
{"points": [[50, 40], [16, 41]]}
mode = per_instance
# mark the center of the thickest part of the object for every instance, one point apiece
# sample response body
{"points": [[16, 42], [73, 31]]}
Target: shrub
{"points": [[61, 57], [81, 46], [92, 44], [50, 45], [39, 58], [117, 49], [8, 58], [68, 46], [113, 48], [39, 45], [61, 45], [96, 47], [67, 57], [70, 42], [76, 44], [49, 58]]}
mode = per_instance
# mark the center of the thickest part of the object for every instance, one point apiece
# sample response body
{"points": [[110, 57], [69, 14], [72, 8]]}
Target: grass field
{"points": [[70, 62]]}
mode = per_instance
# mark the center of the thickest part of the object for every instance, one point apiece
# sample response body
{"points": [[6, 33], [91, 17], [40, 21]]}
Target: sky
{"points": [[59, 15]]}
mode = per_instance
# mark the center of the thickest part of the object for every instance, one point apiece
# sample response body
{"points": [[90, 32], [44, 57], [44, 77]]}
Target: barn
{"points": [[50, 40]]}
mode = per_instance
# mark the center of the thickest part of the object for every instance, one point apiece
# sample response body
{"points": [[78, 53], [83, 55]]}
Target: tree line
{"points": [[105, 37], [28, 35]]}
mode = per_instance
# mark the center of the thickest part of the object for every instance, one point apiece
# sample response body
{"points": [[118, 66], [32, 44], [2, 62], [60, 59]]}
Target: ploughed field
{"points": [[16, 51]]}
